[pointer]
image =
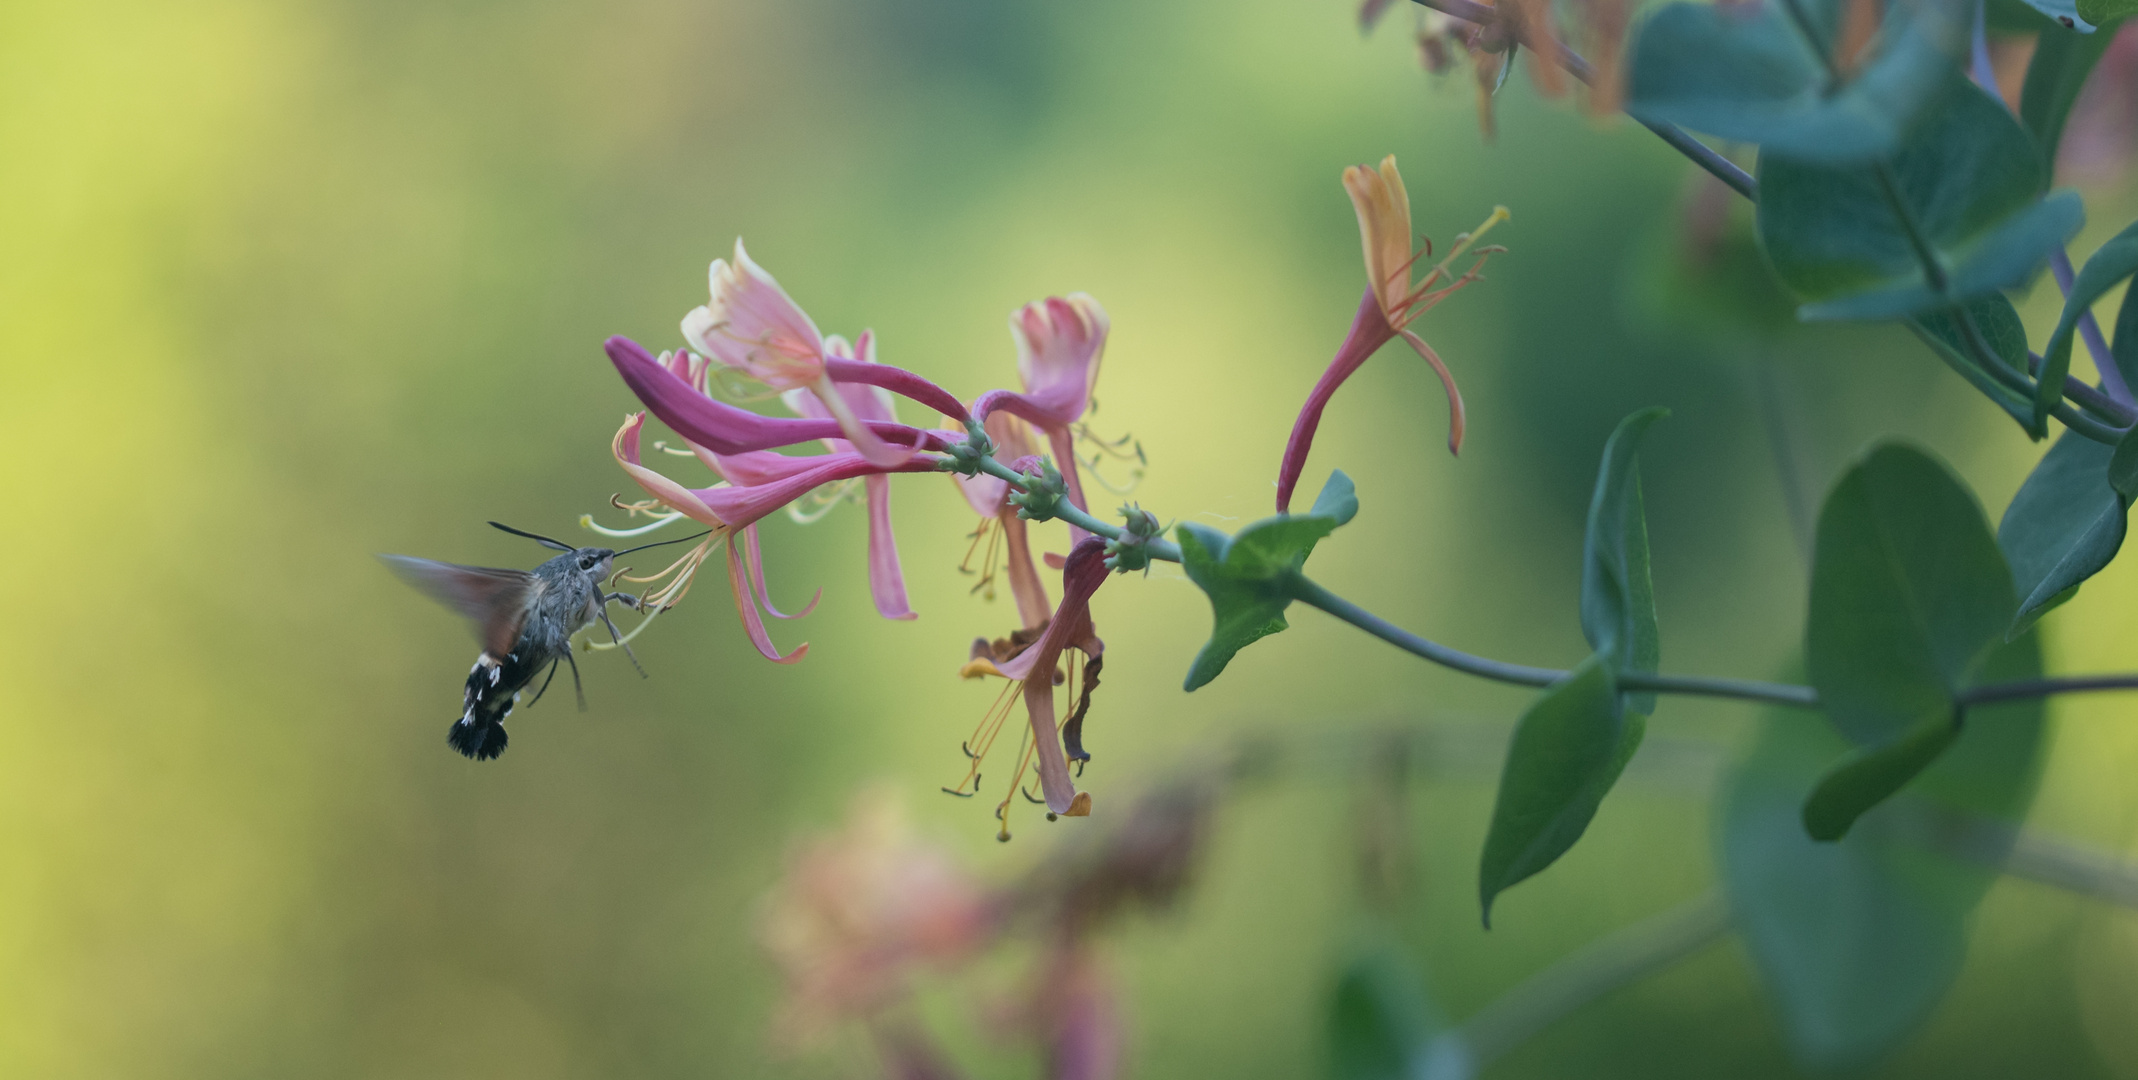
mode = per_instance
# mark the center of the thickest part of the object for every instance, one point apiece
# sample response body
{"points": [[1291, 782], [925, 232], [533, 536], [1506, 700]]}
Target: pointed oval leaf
{"points": [[1567, 752], [1872, 775], [1908, 591], [2123, 466], [2065, 524], [1859, 940], [2007, 338], [1617, 593], [1971, 177]]}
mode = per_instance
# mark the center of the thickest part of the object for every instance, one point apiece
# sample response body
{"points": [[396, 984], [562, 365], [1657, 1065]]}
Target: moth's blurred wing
{"points": [[494, 600]]}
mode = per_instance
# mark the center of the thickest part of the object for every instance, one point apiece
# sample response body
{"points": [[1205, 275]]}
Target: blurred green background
{"points": [[286, 284]]}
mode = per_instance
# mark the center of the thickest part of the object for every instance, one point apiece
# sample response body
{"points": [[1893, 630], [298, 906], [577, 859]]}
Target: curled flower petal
{"points": [[752, 325], [1084, 572], [746, 605], [674, 495], [887, 582], [755, 557]]}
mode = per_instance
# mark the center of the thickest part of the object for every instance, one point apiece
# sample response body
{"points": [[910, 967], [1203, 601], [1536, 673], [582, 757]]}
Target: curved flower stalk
{"points": [[887, 582], [754, 484], [751, 325], [1032, 673], [1060, 341], [1391, 304]]}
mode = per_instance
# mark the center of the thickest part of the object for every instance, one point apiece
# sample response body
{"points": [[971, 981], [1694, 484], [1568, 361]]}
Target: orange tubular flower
{"points": [[1393, 301]]}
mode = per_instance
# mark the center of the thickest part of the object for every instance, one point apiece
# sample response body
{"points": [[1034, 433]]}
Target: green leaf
{"points": [[2102, 12], [1246, 575], [2065, 524], [2116, 260], [2062, 60], [1908, 593], [2123, 466], [1859, 940], [1568, 750], [1753, 77], [1380, 1021], [1617, 594], [1969, 175], [1872, 775], [1338, 500], [2007, 338]]}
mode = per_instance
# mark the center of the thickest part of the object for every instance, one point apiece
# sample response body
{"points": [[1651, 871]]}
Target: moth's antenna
{"points": [[536, 537], [643, 547]]}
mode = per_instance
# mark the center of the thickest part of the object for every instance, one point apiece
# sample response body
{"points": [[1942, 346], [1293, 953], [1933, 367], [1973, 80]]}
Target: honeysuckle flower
{"points": [[1000, 525], [1060, 341], [669, 392], [1391, 304], [859, 914], [887, 582], [751, 325], [754, 484], [1032, 674]]}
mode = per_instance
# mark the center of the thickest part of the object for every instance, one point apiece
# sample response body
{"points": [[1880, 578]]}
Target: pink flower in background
{"points": [[1060, 342], [2102, 133], [887, 582], [859, 914], [1391, 304]]}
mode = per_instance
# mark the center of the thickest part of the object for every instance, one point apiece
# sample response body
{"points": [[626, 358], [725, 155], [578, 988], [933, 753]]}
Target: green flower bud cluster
{"points": [[1043, 495], [1132, 550]]}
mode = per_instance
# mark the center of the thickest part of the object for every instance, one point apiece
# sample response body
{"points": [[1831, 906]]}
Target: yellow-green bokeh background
{"points": [[285, 284]]}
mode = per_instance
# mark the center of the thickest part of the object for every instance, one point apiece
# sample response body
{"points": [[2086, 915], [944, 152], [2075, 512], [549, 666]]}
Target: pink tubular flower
{"points": [[1032, 672], [758, 483], [989, 498], [1392, 302], [1059, 344], [670, 394], [753, 326], [887, 582]]}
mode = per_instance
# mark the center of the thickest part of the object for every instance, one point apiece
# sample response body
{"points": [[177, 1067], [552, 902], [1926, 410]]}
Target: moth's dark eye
{"points": [[586, 562]]}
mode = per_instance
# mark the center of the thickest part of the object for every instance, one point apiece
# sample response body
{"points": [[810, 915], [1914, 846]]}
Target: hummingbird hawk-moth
{"points": [[526, 619]]}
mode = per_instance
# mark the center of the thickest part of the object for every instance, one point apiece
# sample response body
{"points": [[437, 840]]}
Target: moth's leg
{"points": [[545, 684], [574, 662], [628, 600], [619, 638]]}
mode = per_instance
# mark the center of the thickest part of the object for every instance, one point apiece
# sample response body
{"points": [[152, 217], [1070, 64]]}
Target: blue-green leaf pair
{"points": [[1859, 940], [1570, 747], [1247, 575], [1909, 593], [1966, 183], [1755, 76]]}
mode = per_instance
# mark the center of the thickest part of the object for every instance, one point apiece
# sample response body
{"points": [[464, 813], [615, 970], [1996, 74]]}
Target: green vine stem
{"points": [[1307, 591]]}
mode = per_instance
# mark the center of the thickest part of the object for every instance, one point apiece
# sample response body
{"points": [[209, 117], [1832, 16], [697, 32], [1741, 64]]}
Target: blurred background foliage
{"points": [[291, 283]]}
